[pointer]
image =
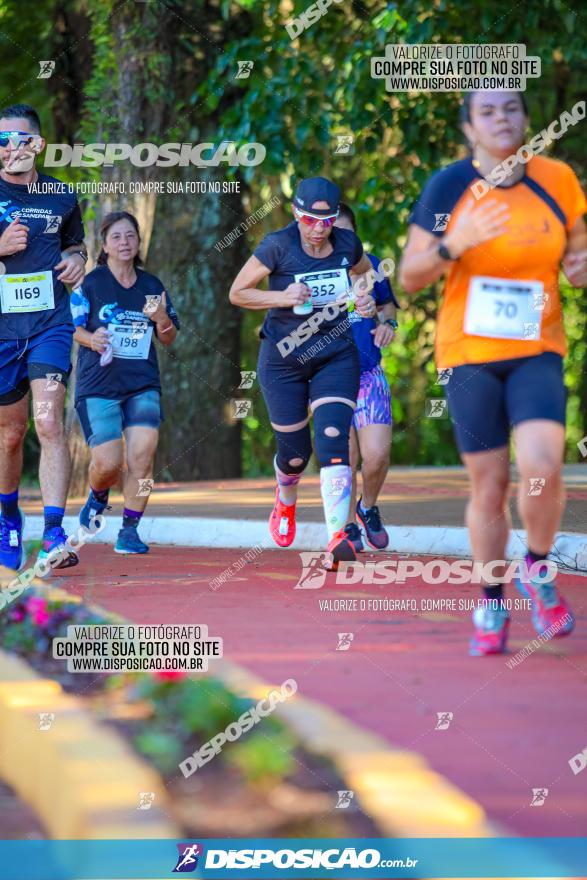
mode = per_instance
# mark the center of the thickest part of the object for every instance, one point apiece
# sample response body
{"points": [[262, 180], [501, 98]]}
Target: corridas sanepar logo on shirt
{"points": [[6, 209], [114, 314], [9, 212], [187, 860]]}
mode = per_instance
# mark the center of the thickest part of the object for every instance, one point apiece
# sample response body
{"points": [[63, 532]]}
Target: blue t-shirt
{"points": [[102, 301], [283, 254], [369, 354], [54, 222]]}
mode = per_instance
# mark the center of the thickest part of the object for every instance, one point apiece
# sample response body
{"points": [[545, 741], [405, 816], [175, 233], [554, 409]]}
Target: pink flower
{"points": [[37, 608], [169, 674]]}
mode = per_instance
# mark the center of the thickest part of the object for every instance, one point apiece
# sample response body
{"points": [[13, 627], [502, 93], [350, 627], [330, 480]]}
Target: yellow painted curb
{"points": [[80, 778], [398, 789]]}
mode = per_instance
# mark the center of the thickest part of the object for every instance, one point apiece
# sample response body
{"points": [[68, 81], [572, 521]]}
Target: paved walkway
{"points": [[512, 730], [411, 496]]}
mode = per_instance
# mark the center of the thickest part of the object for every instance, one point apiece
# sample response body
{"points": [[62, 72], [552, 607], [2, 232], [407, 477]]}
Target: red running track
{"points": [[513, 729]]}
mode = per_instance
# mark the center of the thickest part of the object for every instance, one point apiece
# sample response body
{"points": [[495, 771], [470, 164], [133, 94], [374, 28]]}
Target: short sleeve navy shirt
{"points": [[51, 212], [108, 302], [369, 354], [283, 254]]}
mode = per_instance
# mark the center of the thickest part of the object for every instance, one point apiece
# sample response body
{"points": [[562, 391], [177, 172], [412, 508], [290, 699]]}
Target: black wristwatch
{"points": [[392, 323], [445, 253], [82, 254]]}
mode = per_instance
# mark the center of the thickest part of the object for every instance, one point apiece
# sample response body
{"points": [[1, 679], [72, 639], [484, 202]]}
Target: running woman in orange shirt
{"points": [[500, 333]]}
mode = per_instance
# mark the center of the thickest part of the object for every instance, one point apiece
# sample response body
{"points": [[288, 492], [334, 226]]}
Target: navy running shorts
{"points": [[103, 419], [47, 355], [289, 387], [486, 400]]}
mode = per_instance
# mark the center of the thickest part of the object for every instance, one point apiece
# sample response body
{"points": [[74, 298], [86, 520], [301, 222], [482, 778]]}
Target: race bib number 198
{"points": [[130, 341], [504, 309]]}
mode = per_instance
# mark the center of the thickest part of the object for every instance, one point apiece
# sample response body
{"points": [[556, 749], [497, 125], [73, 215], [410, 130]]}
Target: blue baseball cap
{"points": [[317, 189]]}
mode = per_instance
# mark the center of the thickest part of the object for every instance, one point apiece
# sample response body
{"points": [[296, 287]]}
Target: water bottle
{"points": [[305, 309]]}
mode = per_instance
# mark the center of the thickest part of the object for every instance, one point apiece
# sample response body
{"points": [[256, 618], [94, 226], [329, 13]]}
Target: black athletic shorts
{"points": [[486, 400], [289, 386]]}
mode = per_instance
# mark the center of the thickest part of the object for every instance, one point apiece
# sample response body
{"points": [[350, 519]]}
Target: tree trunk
{"points": [[69, 43], [139, 107], [201, 372]]}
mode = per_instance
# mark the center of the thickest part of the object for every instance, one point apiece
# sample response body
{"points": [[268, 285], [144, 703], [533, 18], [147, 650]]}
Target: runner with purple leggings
{"points": [[372, 420]]}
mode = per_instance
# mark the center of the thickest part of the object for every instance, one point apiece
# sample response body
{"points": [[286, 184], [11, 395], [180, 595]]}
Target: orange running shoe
{"points": [[341, 549], [282, 522]]}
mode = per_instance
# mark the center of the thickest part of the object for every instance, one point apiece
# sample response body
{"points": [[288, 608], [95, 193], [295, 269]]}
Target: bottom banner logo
{"points": [[187, 860]]}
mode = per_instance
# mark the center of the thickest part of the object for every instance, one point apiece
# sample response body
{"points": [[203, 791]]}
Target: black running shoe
{"points": [[353, 533], [375, 532]]}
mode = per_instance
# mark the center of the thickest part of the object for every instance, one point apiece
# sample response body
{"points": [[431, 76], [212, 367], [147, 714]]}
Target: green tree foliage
{"points": [[303, 92], [167, 71]]}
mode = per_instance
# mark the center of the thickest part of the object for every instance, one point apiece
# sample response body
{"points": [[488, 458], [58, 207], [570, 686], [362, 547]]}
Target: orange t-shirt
{"points": [[543, 207]]}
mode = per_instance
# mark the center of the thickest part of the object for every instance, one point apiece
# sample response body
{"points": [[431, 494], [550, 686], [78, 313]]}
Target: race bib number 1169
{"points": [[32, 292]]}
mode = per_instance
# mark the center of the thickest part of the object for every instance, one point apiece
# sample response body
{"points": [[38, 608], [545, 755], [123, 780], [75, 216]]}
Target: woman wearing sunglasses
{"points": [[307, 358], [41, 251]]}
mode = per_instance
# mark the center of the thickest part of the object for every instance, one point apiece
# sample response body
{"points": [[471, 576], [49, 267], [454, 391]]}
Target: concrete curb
{"points": [[242, 534], [81, 779]]}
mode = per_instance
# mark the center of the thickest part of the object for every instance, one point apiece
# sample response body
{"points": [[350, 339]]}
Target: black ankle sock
{"points": [[9, 503], [535, 557], [101, 495], [493, 591]]}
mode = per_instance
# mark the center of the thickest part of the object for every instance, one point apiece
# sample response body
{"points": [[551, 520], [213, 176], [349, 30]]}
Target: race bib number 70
{"points": [[504, 309]]}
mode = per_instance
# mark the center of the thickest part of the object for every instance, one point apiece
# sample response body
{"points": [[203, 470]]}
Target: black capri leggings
{"points": [[289, 387]]}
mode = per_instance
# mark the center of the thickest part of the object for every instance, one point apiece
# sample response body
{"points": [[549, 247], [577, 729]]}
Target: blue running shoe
{"points": [[491, 631], [11, 555], [91, 509], [551, 613], [54, 548], [128, 541]]}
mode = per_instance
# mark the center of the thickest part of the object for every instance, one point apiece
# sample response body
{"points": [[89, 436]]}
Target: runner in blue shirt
{"points": [[371, 431], [41, 250], [307, 359], [119, 312]]}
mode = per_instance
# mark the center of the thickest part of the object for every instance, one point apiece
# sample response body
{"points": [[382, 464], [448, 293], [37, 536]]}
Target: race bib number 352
{"points": [[326, 286], [504, 309], [32, 292]]}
